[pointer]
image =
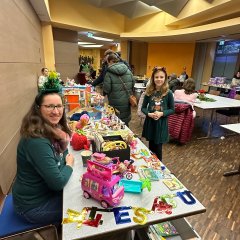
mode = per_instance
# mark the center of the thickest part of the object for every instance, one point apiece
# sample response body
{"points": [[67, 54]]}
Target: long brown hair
{"points": [[189, 86], [151, 88], [34, 125]]}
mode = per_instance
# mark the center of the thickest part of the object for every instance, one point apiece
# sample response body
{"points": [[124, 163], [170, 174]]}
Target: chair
{"points": [[181, 123], [139, 112], [13, 227], [214, 92], [230, 112]]}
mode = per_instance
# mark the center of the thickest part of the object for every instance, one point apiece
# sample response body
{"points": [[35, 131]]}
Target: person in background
{"points": [[236, 80], [183, 75], [173, 82], [61, 82], [43, 163], [157, 105], [92, 72], [84, 67], [43, 78], [187, 94], [119, 54], [100, 78], [117, 75]]}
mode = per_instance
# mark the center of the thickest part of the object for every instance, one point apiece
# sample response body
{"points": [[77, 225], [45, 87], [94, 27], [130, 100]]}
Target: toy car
{"points": [[99, 183]]}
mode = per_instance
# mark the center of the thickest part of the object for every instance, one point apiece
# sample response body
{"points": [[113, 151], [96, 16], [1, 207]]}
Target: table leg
{"points": [[209, 133], [231, 173]]}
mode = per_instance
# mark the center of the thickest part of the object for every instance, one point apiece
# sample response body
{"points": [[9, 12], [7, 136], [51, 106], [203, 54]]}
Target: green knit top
{"points": [[157, 130], [41, 173]]}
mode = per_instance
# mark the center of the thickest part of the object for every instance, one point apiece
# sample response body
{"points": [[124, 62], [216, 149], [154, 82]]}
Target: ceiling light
{"points": [[92, 46], [102, 39], [90, 35], [84, 43]]}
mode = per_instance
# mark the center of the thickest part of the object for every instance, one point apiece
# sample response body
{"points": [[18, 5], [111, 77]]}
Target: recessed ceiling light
{"points": [[102, 39], [83, 43], [92, 46]]}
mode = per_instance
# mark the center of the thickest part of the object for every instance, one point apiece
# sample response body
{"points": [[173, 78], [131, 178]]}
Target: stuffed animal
{"points": [[70, 82], [79, 142], [83, 121]]}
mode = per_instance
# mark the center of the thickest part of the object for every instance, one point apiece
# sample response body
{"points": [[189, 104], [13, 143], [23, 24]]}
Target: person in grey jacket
{"points": [[118, 75]]}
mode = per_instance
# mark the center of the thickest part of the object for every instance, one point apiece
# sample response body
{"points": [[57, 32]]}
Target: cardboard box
{"points": [[123, 154]]}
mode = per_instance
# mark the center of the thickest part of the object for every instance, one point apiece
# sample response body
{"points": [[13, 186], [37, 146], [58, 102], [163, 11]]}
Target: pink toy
{"points": [[122, 169], [133, 144], [83, 121], [130, 166], [99, 156], [99, 183]]}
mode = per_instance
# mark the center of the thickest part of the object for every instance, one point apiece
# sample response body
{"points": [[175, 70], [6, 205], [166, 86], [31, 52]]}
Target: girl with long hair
{"points": [[157, 105]]}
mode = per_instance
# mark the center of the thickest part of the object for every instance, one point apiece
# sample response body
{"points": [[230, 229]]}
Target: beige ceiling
{"points": [[134, 8], [218, 19]]}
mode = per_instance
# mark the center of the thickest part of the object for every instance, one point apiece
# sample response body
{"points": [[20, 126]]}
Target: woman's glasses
{"points": [[51, 107]]}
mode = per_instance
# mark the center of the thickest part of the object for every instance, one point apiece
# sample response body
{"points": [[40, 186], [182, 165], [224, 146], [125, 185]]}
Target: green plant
{"points": [[53, 82]]}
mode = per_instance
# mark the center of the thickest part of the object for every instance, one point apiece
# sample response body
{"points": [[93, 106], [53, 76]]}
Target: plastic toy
{"points": [[146, 183], [130, 166], [83, 121], [114, 145], [127, 175], [131, 141], [144, 152], [101, 158], [131, 186], [135, 186], [121, 168], [100, 183], [186, 197]]}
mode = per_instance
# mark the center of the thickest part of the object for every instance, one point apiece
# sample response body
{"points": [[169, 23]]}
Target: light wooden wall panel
{"points": [[19, 86], [138, 57], [66, 58], [21, 59], [8, 163], [20, 40]]}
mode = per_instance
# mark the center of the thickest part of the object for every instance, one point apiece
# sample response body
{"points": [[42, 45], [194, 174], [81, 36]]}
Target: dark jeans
{"points": [[48, 213], [156, 148]]}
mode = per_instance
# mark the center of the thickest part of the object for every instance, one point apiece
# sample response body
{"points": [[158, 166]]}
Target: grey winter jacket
{"points": [[113, 87]]}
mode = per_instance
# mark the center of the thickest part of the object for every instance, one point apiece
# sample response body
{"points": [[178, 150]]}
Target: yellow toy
{"points": [[115, 145]]}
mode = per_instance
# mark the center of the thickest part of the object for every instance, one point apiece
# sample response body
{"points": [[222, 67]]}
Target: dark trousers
{"points": [[49, 212], [156, 148]]}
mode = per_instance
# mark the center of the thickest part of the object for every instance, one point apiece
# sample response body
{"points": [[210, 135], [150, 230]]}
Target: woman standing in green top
{"points": [[158, 103], [43, 163]]}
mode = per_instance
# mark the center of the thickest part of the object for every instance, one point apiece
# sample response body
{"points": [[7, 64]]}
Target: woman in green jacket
{"points": [[157, 105], [118, 84], [43, 163]]}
